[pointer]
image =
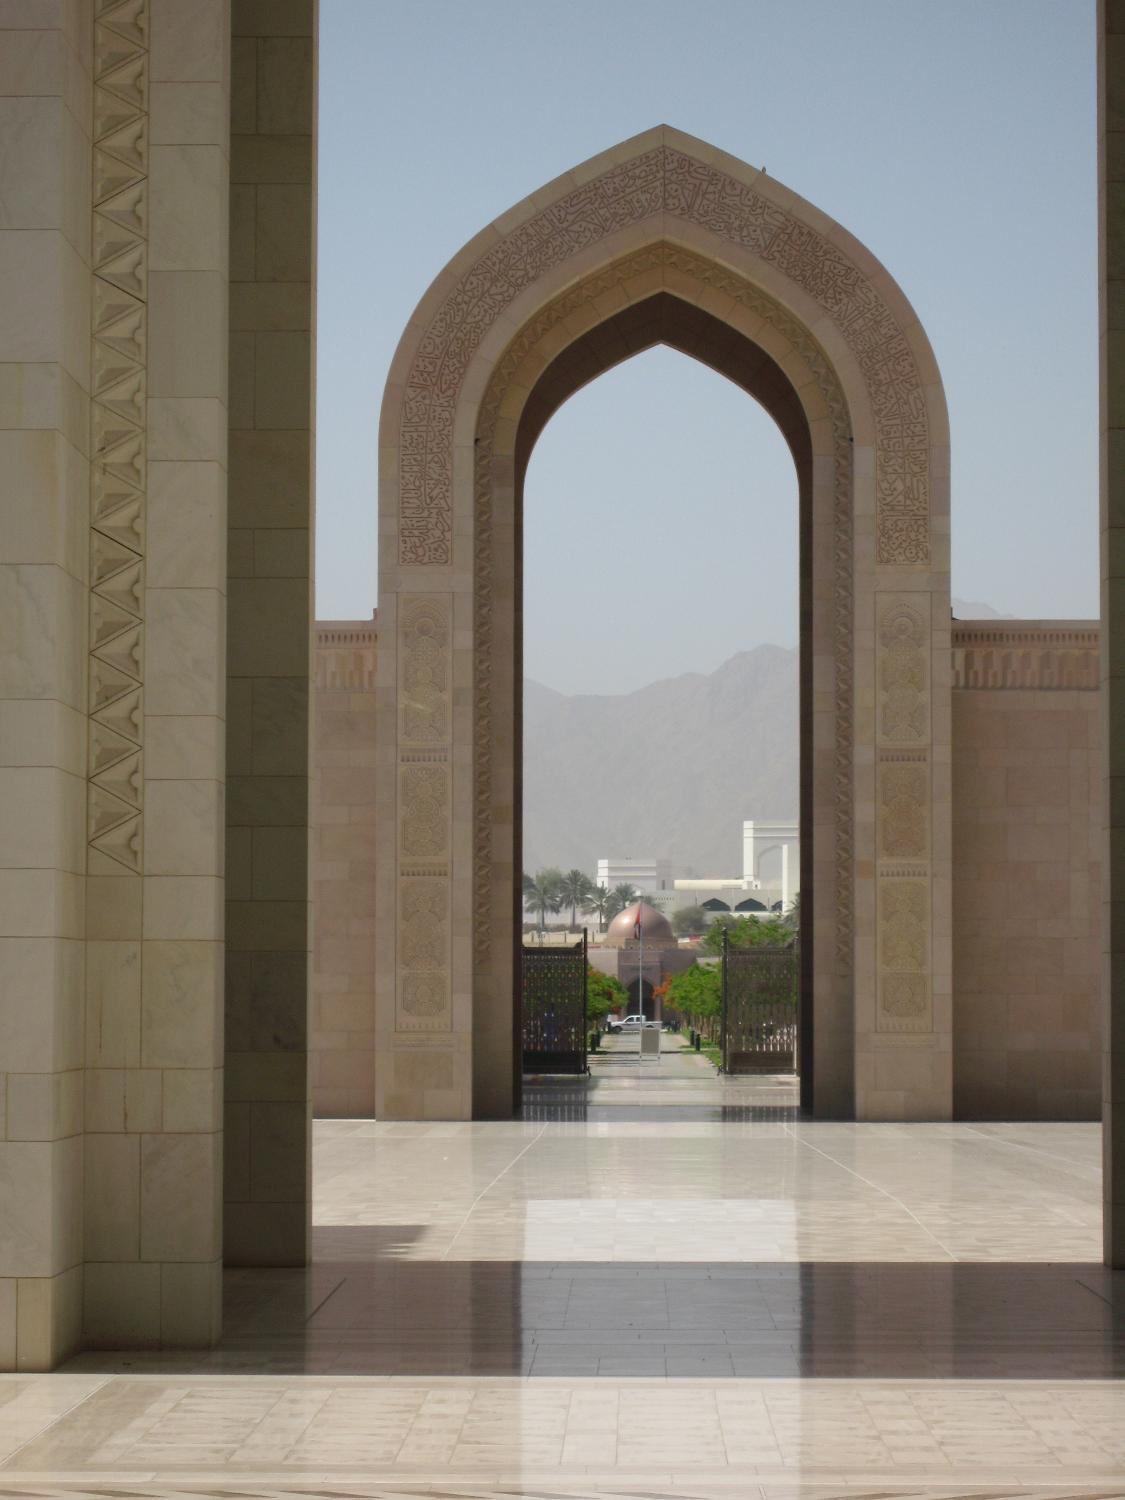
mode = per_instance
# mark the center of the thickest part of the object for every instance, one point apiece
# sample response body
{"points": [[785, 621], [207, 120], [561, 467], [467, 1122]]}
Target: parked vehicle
{"points": [[635, 1022]]}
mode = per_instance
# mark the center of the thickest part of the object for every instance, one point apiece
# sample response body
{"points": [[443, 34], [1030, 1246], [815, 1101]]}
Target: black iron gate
{"points": [[760, 1008], [553, 981]]}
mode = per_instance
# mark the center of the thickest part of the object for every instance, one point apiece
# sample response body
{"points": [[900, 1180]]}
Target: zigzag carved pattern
{"points": [[118, 435]]}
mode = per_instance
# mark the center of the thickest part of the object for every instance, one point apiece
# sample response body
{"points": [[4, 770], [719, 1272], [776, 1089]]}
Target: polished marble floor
{"points": [[660, 1284]]}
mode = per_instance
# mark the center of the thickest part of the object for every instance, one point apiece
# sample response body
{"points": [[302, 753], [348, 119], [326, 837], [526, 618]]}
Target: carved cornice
{"points": [[1035, 655], [345, 655]]}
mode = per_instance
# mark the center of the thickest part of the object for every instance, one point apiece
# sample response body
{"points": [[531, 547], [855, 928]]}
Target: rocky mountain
{"points": [[670, 770]]}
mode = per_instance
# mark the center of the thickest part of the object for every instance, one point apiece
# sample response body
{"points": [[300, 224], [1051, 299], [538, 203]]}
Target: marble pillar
{"points": [[154, 910], [270, 633]]}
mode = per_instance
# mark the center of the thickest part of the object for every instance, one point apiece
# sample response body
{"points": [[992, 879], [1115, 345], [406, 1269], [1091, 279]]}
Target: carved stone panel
{"points": [[903, 814], [903, 668], [424, 671], [423, 954], [904, 809], [904, 953], [424, 813]]}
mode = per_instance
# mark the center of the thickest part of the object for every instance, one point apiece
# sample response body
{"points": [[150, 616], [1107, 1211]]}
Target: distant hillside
{"points": [[970, 609], [670, 770]]}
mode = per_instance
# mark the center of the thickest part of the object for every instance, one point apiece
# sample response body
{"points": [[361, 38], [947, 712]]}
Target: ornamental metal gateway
{"points": [[553, 982], [760, 1008]]}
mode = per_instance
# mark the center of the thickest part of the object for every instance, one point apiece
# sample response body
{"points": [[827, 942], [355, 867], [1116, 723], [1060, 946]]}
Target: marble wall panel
{"points": [[1027, 871], [45, 438]]}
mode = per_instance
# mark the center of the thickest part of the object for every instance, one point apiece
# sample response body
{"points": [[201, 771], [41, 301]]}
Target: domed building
{"points": [[640, 949], [637, 924]]}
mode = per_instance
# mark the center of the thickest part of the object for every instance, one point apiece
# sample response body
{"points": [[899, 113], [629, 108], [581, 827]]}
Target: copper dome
{"points": [[655, 929]]}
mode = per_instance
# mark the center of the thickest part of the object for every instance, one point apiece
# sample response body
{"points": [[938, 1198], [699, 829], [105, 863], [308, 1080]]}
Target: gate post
{"points": [[723, 1003]]}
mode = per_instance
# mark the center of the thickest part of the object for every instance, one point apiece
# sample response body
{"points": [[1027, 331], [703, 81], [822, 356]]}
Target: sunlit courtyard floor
{"points": [[655, 1284]]}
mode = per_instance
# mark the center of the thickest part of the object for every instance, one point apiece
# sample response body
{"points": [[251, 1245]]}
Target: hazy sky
{"points": [[956, 140]]}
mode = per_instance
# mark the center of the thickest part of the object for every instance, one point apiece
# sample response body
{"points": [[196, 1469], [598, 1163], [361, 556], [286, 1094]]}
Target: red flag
{"points": [[637, 924]]}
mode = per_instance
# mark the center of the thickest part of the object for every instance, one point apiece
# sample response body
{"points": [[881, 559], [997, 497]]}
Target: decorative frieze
{"points": [[118, 437], [346, 656], [1052, 656]]}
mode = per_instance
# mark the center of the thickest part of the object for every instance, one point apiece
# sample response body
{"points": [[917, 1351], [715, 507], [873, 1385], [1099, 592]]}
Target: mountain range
{"points": [[669, 770]]}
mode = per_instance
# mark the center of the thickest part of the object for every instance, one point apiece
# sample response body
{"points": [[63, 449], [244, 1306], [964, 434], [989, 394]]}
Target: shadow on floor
{"points": [[363, 1308]]}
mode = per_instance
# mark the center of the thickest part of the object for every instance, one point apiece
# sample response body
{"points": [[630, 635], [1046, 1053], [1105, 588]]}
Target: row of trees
{"points": [[550, 891]]}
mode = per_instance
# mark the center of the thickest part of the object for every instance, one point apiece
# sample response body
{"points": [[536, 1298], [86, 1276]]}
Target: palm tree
{"points": [[598, 899], [574, 888], [541, 895], [620, 897]]}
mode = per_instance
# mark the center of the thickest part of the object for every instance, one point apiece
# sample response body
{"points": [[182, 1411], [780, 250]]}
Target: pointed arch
{"points": [[666, 240]]}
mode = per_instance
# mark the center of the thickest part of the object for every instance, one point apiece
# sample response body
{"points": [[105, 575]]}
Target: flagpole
{"points": [[641, 974]]}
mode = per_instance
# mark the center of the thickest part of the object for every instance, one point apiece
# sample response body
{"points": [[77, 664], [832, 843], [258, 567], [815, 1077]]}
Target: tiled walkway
{"points": [[663, 1287]]}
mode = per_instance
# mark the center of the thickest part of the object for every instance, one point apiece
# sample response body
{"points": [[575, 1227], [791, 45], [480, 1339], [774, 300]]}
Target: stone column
{"points": [[156, 689], [44, 505], [270, 633], [1111, 227]]}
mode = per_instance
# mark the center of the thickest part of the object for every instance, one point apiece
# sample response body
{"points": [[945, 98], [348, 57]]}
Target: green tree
{"points": [[689, 921], [603, 994], [541, 895], [574, 890], [697, 994], [746, 932], [792, 918]]}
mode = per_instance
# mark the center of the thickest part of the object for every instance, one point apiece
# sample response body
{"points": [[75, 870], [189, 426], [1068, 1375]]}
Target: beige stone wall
{"points": [[1026, 871], [342, 1024], [45, 285]]}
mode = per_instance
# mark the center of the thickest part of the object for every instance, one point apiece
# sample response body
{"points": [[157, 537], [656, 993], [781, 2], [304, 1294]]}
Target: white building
{"points": [[645, 874], [771, 857], [771, 872]]}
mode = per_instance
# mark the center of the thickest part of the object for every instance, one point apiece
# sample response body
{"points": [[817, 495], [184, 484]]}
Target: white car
{"points": [[636, 1022]]}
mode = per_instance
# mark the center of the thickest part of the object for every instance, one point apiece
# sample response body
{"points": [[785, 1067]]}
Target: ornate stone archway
{"points": [[666, 239]]}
